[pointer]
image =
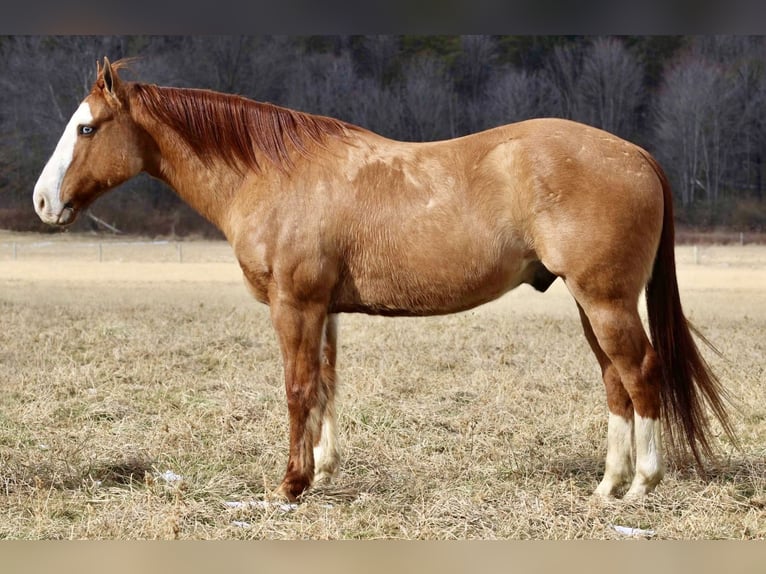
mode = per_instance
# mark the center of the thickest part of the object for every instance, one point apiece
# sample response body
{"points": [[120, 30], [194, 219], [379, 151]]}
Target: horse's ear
{"points": [[111, 83], [108, 76]]}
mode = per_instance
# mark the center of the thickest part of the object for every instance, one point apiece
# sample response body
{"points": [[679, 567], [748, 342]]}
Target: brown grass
{"points": [[488, 424]]}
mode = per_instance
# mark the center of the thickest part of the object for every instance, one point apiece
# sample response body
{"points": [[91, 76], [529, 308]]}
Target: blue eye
{"points": [[85, 130]]}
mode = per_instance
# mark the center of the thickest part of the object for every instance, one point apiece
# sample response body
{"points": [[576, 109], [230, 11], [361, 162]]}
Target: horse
{"points": [[326, 217]]}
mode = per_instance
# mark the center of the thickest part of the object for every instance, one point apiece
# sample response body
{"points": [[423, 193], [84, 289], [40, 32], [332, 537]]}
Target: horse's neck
{"points": [[208, 189]]}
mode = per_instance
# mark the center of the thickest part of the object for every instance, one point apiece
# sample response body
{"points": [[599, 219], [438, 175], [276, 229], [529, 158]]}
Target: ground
{"points": [[142, 397]]}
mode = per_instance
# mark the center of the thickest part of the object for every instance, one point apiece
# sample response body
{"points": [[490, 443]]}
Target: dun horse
{"points": [[325, 217]]}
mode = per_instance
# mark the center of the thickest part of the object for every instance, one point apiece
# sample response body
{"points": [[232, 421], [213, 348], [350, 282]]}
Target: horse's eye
{"points": [[85, 130]]}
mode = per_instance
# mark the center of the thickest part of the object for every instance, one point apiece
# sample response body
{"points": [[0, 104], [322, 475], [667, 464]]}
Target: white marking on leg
{"points": [[47, 193], [326, 457], [619, 455], [650, 466]]}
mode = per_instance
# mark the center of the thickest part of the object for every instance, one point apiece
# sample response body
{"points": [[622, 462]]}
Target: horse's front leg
{"points": [[299, 328]]}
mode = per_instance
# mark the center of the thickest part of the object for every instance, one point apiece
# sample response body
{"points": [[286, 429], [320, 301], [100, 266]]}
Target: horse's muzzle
{"points": [[46, 211]]}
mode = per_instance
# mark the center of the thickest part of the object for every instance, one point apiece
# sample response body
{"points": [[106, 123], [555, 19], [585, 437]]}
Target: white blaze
{"points": [[47, 194]]}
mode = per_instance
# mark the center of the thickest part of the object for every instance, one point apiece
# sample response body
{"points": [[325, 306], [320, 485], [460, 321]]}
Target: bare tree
{"points": [[378, 54], [744, 124], [377, 108], [599, 84], [562, 71], [429, 98], [512, 95], [474, 64], [753, 157], [320, 84], [254, 66], [696, 121], [609, 87]]}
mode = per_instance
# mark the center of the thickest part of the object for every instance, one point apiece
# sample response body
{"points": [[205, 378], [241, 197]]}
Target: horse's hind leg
{"points": [[326, 456], [621, 337], [619, 451]]}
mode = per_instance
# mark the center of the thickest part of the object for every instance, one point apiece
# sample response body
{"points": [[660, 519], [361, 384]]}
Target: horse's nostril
{"points": [[41, 203]]}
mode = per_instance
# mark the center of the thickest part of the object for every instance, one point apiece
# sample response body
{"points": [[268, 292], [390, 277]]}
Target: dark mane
{"points": [[236, 129]]}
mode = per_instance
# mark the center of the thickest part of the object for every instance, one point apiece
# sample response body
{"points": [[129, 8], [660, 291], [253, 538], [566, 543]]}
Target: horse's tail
{"points": [[687, 381]]}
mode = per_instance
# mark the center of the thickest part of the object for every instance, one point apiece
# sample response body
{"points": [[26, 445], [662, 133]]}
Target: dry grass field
{"points": [[141, 397]]}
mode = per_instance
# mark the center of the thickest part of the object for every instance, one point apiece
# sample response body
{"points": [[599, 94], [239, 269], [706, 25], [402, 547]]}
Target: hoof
{"points": [[323, 477], [326, 472], [602, 497], [291, 490], [643, 484], [608, 486], [637, 493]]}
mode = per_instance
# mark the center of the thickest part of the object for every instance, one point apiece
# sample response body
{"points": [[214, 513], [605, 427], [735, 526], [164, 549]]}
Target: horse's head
{"points": [[101, 147]]}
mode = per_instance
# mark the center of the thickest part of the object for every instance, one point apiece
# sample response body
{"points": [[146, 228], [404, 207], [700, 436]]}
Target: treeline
{"points": [[697, 103]]}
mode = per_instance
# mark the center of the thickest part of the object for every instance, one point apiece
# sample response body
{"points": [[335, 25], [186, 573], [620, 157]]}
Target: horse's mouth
{"points": [[68, 214]]}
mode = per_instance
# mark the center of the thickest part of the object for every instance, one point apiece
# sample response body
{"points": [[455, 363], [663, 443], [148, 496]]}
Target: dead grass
{"points": [[488, 424]]}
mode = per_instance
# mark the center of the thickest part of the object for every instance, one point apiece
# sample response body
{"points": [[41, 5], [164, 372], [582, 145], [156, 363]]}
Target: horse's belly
{"points": [[439, 288]]}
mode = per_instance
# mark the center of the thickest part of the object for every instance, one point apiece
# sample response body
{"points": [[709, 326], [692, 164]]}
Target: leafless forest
{"points": [[697, 103]]}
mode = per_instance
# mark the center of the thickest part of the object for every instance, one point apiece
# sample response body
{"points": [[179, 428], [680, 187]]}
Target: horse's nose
{"points": [[40, 204]]}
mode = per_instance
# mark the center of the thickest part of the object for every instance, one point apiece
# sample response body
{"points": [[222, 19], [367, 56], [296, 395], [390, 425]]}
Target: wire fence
{"points": [[734, 255], [158, 251], [73, 248]]}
